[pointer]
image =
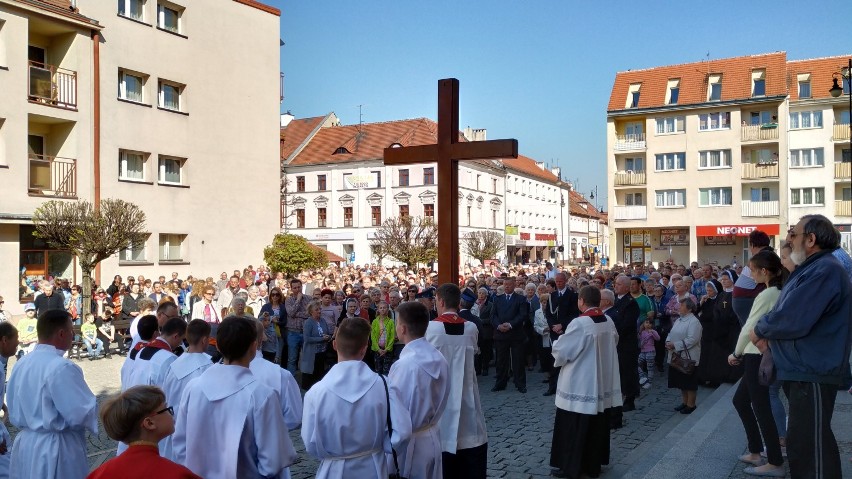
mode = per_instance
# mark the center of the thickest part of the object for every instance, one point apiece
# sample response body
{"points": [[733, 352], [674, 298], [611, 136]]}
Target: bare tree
{"points": [[482, 244], [408, 239], [91, 233]]}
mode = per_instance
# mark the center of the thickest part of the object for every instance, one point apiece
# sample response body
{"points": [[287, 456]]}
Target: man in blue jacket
{"points": [[808, 332], [510, 312]]}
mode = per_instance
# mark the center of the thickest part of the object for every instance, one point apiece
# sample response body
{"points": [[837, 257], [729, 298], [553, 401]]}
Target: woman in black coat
{"points": [[706, 308]]}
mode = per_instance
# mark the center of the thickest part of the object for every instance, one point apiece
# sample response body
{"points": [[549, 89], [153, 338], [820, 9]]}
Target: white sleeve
{"points": [[72, 397], [309, 426], [401, 424], [274, 449], [569, 345], [291, 400], [179, 436]]}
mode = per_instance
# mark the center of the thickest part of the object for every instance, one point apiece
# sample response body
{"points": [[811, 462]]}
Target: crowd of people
{"points": [[602, 335]]}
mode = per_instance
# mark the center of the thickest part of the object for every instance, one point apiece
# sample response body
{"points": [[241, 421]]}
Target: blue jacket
{"points": [[810, 327]]}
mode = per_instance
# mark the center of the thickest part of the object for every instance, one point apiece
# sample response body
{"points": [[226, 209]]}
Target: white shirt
{"points": [[281, 380], [182, 370]]}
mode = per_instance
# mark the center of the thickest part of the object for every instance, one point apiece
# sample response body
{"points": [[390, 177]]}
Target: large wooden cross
{"points": [[447, 153]]}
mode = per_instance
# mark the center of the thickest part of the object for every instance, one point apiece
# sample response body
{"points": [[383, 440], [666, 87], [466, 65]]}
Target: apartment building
{"points": [[150, 101], [701, 154], [337, 189]]}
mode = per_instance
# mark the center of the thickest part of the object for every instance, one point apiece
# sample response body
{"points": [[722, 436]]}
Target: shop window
{"points": [[38, 261]]}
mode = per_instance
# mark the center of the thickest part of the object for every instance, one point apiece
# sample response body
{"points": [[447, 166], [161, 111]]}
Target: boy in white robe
{"points": [[280, 380], [420, 377], [464, 439], [8, 347], [185, 368], [147, 329], [345, 414], [229, 425], [51, 404]]}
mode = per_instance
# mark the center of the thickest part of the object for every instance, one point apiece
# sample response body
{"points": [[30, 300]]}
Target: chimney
{"points": [[557, 171], [286, 118], [539, 164], [474, 134]]}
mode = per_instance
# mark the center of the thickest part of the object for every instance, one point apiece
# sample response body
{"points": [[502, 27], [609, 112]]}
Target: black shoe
{"points": [[546, 381], [498, 388], [549, 392], [522, 390], [559, 473], [688, 410], [680, 408], [629, 405]]}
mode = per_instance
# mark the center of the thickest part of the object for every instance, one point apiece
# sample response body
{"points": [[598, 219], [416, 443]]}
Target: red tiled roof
{"points": [[528, 166], [296, 132], [820, 69], [60, 7], [260, 6], [736, 80], [589, 211], [332, 258]]}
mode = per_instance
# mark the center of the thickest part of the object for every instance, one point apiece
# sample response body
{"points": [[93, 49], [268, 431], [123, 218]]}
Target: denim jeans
{"points": [[99, 346], [778, 412], [294, 346]]}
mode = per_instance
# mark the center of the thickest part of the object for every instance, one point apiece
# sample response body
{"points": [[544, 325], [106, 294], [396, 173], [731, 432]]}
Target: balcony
{"points": [[841, 132], [630, 142], [766, 132], [629, 178], [759, 171], [843, 208], [842, 171], [760, 208], [52, 176], [627, 213], [52, 85]]}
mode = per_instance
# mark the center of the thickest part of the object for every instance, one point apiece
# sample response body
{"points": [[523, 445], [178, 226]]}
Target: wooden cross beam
{"points": [[447, 153]]}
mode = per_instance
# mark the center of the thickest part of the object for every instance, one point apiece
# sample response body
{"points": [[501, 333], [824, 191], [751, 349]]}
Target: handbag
{"points": [[686, 365], [397, 474], [766, 370]]}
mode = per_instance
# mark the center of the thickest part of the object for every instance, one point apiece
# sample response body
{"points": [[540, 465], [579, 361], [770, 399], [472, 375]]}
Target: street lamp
{"points": [[562, 219], [837, 90]]}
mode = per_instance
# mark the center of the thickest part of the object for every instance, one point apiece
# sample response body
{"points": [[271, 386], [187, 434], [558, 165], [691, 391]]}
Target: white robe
{"points": [[182, 370], [462, 425], [281, 380], [421, 380], [589, 381], [345, 423], [49, 401], [5, 459], [229, 425]]}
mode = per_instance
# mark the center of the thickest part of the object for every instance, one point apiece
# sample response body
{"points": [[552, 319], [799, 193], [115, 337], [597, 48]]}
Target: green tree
{"points": [[291, 254], [91, 233], [408, 239], [482, 244]]}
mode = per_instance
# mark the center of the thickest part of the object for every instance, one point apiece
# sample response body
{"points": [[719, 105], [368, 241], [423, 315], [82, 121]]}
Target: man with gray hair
{"points": [[625, 315]]}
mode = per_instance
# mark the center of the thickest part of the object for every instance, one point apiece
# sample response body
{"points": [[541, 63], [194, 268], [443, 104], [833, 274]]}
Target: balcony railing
{"points": [[841, 132], [842, 171], [52, 85], [757, 171], [760, 208], [628, 178], [630, 142], [843, 208], [53, 176], [765, 132], [624, 213]]}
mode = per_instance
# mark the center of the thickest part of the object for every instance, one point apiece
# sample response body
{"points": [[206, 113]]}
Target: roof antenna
{"points": [[360, 118]]}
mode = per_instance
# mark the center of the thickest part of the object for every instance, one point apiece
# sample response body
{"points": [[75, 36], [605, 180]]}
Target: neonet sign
{"points": [[736, 230]]}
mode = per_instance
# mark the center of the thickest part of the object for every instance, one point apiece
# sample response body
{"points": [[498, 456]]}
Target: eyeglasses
{"points": [[168, 409], [208, 294]]}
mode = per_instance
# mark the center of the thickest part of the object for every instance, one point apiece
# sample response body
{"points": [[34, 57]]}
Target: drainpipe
{"points": [[96, 123]]}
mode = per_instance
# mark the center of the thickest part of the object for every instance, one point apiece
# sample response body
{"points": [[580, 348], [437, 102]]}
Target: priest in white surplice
{"points": [[421, 380], [464, 440], [280, 380], [229, 425], [589, 386], [345, 414], [184, 369], [51, 404]]}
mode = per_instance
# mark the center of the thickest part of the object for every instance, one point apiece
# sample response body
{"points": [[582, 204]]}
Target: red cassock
{"points": [[141, 462]]}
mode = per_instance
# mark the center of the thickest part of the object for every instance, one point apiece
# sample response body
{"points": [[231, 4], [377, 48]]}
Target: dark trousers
{"points": [[554, 377], [752, 404], [268, 355], [486, 353], [309, 380], [811, 446], [545, 356], [510, 352], [466, 463], [660, 348]]}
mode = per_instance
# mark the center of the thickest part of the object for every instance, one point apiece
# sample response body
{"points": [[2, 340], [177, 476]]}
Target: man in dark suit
{"points": [[625, 314], [561, 310], [510, 312]]}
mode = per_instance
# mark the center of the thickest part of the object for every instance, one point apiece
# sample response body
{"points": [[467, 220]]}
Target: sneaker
{"points": [[647, 385], [642, 381]]}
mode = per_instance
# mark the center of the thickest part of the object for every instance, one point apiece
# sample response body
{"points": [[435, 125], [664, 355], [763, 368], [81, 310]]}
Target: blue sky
{"points": [[540, 71]]}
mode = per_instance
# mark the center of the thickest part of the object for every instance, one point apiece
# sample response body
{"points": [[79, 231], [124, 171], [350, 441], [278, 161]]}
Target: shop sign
{"points": [[512, 230], [844, 228], [525, 236], [720, 240], [545, 237], [674, 237], [736, 230]]}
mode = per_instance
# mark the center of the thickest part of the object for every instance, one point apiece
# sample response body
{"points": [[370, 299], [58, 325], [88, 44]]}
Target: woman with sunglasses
{"points": [[270, 314], [139, 417]]}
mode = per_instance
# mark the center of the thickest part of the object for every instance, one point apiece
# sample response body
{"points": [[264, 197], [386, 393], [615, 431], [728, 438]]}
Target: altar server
{"points": [[280, 380], [147, 329]]}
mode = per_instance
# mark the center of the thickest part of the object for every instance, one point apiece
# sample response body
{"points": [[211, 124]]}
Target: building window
{"points": [[805, 89], [131, 9], [133, 252], [714, 197], [633, 199], [300, 218], [346, 182], [805, 119], [807, 197], [321, 217], [633, 96], [170, 247], [376, 214], [714, 159], [671, 198], [169, 171], [845, 156], [760, 194], [403, 211], [429, 176], [477, 182], [714, 88], [670, 124], [347, 216], [377, 175], [762, 117], [169, 95], [321, 184], [403, 177], [131, 165], [671, 162], [714, 121], [429, 211], [493, 218], [762, 157], [168, 17], [300, 184], [672, 92], [806, 157], [758, 83], [130, 86], [636, 165], [468, 215], [494, 185]]}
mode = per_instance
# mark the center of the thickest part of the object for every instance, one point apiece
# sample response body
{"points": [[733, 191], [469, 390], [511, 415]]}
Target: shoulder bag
{"points": [[398, 473], [766, 370], [684, 364]]}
